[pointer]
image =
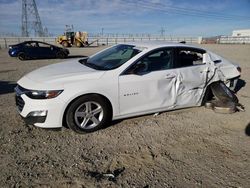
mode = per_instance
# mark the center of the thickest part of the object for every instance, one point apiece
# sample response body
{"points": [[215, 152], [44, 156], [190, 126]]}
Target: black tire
{"points": [[21, 56], [224, 108], [221, 107], [80, 106], [61, 55], [78, 44], [65, 44], [223, 93]]}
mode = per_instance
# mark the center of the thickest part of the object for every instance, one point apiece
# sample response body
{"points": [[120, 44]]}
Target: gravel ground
{"points": [[192, 147]]}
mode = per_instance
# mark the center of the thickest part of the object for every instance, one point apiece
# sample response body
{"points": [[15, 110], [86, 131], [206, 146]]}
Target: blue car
{"points": [[37, 50]]}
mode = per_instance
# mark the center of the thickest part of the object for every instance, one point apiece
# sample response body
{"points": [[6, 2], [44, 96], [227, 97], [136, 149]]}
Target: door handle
{"points": [[205, 71], [170, 76]]}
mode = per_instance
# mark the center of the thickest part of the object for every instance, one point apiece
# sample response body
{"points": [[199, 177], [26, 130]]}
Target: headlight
{"points": [[43, 94]]}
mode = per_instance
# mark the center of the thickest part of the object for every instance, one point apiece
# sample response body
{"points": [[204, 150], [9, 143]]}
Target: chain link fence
{"points": [[109, 40], [6, 41]]}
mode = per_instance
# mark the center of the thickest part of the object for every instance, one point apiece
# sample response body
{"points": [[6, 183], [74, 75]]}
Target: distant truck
{"points": [[71, 38]]}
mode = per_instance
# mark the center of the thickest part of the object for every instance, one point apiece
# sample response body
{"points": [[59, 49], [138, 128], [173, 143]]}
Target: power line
{"points": [[191, 10], [186, 11]]}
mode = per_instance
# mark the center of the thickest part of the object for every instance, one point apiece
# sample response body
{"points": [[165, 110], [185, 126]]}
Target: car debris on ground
{"points": [[109, 175], [225, 101]]}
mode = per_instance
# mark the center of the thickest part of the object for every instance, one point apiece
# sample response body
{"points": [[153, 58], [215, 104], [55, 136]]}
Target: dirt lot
{"points": [[192, 147]]}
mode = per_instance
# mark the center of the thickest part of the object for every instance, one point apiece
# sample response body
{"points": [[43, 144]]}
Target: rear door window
{"points": [[31, 44], [189, 57], [43, 45]]}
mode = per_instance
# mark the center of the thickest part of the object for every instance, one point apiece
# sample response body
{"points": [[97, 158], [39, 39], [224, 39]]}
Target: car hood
{"points": [[58, 74]]}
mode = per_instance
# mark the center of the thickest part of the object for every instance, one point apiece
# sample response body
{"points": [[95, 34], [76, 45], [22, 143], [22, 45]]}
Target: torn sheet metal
{"points": [[226, 68], [191, 84]]}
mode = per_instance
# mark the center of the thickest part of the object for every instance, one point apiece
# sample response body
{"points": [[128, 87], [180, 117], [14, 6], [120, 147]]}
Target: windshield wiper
{"points": [[84, 60]]}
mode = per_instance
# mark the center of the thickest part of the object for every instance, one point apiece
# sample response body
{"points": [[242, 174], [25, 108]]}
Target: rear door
{"points": [[192, 75]]}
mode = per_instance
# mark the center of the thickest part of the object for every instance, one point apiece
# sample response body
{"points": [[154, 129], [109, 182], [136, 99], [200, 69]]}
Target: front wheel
{"points": [[65, 44], [21, 56], [78, 44], [88, 113]]}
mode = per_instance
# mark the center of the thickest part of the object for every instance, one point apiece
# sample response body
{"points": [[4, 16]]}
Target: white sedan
{"points": [[122, 81]]}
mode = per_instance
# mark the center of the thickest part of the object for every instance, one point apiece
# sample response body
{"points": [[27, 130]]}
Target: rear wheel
{"points": [[61, 55], [221, 107], [88, 113], [223, 93], [224, 107]]}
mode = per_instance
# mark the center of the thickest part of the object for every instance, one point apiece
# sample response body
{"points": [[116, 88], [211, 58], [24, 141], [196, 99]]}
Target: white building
{"points": [[241, 33]]}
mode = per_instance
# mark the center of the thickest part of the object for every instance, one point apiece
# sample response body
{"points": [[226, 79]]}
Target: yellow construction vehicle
{"points": [[71, 38]]}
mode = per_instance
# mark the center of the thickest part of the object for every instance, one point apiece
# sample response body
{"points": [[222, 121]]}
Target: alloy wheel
{"points": [[88, 115]]}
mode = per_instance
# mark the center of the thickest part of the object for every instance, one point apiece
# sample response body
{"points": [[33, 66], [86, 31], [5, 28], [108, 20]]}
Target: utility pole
{"points": [[102, 31], [25, 32], [162, 31], [31, 20]]}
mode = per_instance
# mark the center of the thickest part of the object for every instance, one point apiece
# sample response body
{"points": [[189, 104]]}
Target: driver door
{"points": [[31, 49], [151, 88], [46, 50]]}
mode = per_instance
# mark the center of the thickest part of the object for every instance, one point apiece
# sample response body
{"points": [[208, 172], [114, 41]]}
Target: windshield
{"points": [[111, 58]]}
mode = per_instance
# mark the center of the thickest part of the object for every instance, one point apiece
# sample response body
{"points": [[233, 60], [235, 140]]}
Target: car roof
{"points": [[30, 41], [158, 44]]}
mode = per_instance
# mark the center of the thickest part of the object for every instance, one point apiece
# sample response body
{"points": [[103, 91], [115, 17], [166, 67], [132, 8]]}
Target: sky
{"points": [[168, 17]]}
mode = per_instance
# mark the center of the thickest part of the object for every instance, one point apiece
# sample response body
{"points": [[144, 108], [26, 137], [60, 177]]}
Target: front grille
{"points": [[19, 103]]}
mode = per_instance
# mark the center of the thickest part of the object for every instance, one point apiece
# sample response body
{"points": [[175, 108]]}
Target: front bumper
{"points": [[46, 113], [32, 120]]}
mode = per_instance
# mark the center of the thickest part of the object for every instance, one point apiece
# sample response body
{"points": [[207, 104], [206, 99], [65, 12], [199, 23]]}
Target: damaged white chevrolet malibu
{"points": [[122, 81]]}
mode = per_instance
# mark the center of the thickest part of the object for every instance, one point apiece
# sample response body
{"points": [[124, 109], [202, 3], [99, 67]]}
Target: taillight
{"points": [[239, 69]]}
